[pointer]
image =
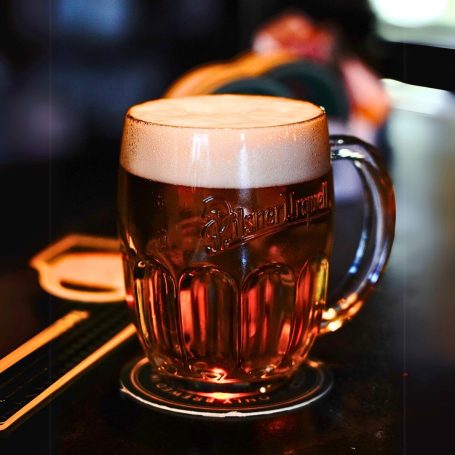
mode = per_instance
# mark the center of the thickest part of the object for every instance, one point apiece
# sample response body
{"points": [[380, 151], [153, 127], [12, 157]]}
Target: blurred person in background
{"points": [[325, 43]]}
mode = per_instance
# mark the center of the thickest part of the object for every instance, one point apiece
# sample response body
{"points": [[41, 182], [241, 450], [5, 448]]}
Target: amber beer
{"points": [[225, 215]]}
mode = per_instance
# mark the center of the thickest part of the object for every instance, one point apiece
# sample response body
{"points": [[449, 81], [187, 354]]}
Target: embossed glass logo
{"points": [[226, 227]]}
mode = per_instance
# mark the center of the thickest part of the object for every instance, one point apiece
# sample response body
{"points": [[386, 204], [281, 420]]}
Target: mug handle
{"points": [[378, 228]]}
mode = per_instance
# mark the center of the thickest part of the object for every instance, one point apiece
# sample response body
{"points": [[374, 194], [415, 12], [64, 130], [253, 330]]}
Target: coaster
{"points": [[139, 382], [82, 268]]}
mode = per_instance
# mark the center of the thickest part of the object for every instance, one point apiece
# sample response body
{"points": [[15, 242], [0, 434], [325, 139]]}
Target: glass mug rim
{"points": [[321, 113]]}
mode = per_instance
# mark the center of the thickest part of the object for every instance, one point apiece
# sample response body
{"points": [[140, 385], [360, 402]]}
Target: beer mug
{"points": [[225, 219]]}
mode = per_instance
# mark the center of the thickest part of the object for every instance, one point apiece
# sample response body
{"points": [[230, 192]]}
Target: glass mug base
{"points": [[141, 383]]}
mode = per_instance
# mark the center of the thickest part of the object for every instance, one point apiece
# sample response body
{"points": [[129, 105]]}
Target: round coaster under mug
{"points": [[140, 383]]}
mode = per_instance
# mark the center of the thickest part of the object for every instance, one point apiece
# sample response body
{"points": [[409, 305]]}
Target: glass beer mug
{"points": [[225, 217]]}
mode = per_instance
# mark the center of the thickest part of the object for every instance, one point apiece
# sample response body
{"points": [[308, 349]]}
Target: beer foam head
{"points": [[226, 141]]}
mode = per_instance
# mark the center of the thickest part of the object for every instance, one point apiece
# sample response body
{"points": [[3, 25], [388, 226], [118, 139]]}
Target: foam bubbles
{"points": [[226, 141]]}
